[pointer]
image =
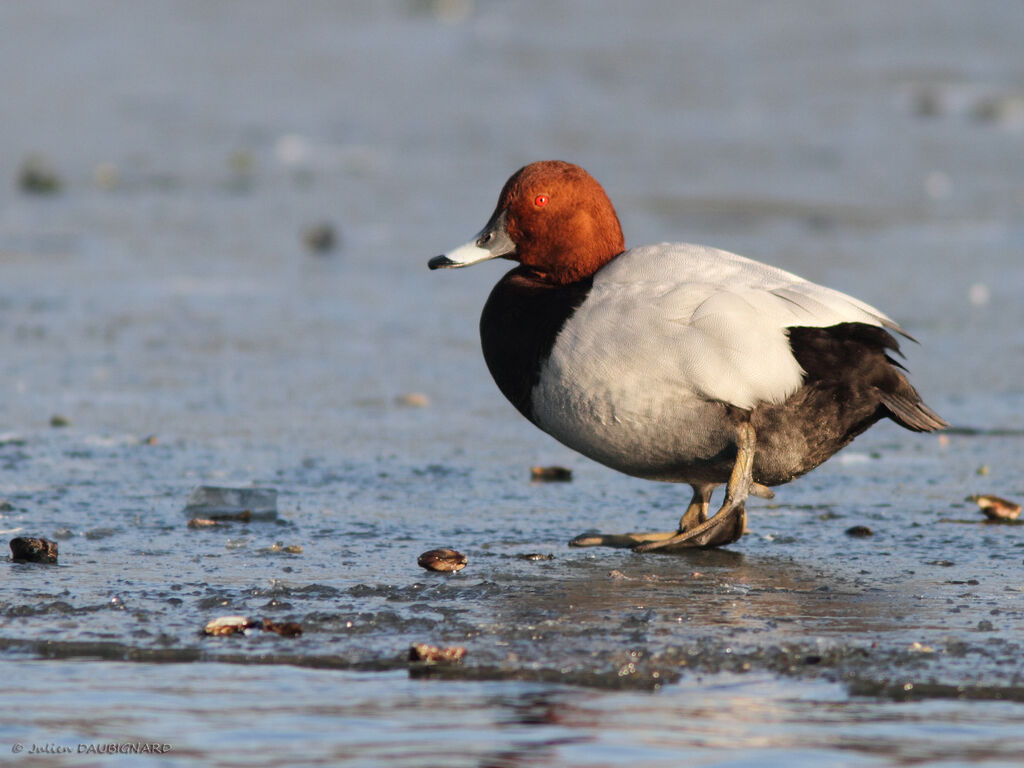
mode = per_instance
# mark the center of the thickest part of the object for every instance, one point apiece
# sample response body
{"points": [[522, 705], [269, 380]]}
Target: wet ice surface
{"points": [[368, 716], [926, 606], [176, 321]]}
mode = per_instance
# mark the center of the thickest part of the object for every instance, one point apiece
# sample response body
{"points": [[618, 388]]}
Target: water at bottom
{"points": [[220, 714]]}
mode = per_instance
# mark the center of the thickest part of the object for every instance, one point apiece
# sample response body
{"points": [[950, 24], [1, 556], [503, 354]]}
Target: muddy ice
{"points": [[930, 605]]}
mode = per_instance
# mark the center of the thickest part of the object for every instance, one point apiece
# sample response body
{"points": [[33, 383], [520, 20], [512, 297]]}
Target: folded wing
{"points": [[708, 322]]}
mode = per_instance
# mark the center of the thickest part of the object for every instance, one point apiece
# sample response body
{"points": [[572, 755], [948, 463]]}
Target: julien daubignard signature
{"points": [[112, 748]]}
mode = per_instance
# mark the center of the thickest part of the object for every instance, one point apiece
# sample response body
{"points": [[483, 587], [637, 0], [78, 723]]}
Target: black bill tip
{"points": [[440, 262]]}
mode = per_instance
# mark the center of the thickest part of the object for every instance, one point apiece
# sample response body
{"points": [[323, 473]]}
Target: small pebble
{"points": [[859, 531], [237, 625], [244, 516], [928, 102], [38, 177], [1000, 109], [106, 176], [284, 628], [431, 654], [442, 560], [536, 556], [979, 295], [938, 185], [242, 171], [413, 400], [227, 625], [550, 474], [59, 421], [320, 237], [97, 534], [996, 508], [201, 522], [242, 161], [32, 550], [291, 549], [445, 11]]}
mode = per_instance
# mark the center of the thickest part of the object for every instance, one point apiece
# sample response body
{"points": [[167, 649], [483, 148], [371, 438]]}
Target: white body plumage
{"points": [[638, 374]]}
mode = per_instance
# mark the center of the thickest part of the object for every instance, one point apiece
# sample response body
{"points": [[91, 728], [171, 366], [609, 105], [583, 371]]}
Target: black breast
{"points": [[521, 319]]}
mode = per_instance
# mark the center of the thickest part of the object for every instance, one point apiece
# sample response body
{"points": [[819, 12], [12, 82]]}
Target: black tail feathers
{"points": [[907, 409]]}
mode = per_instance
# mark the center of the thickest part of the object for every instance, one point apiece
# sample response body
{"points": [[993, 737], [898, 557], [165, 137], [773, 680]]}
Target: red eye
{"points": [[540, 200]]}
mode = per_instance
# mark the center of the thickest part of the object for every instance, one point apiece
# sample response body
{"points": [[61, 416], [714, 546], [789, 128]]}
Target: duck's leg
{"points": [[729, 522], [696, 514]]}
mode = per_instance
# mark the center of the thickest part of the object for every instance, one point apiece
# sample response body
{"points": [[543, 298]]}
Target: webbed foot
{"points": [[724, 528]]}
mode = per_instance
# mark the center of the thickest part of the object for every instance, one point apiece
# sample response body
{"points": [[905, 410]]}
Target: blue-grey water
{"points": [[162, 305]]}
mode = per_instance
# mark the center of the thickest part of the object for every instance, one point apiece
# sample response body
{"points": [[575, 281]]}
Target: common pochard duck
{"points": [[675, 362]]}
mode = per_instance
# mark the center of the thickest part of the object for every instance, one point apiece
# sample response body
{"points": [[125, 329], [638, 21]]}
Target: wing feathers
{"points": [[710, 321]]}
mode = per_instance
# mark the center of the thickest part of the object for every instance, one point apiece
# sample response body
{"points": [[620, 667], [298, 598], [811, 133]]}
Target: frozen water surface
{"points": [[162, 306]]}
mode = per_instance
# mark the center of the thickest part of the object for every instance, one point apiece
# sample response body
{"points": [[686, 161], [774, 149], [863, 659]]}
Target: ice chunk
{"points": [[216, 503]]}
